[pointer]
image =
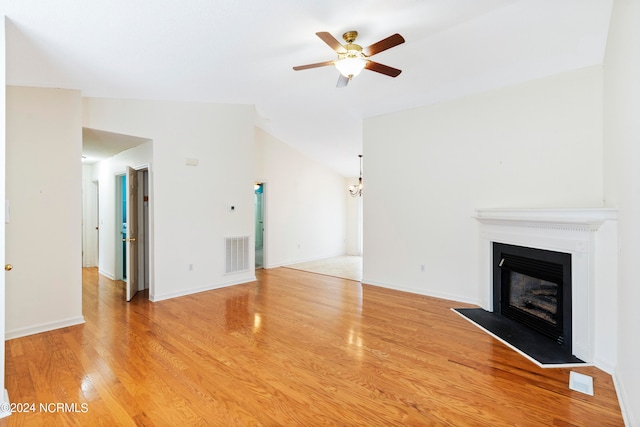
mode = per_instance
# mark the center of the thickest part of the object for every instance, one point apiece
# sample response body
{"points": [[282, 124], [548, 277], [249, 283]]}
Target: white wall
{"points": [[622, 188], [105, 173], [536, 144], [305, 204], [191, 205], [44, 189]]}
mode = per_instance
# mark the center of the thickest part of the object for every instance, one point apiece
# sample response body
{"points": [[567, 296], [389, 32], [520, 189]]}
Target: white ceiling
{"points": [[99, 145], [231, 51]]}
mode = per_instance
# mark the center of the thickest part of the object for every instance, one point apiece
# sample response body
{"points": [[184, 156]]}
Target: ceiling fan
{"points": [[352, 58]]}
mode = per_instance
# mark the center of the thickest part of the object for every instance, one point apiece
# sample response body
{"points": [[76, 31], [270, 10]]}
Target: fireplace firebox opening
{"points": [[533, 287]]}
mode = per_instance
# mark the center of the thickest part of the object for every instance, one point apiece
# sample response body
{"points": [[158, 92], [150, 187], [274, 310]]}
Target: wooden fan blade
{"points": [[383, 44], [342, 81], [382, 69], [331, 41], [316, 65]]}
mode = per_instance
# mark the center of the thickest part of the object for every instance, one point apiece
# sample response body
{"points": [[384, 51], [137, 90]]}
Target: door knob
{"points": [[132, 239], [8, 267]]}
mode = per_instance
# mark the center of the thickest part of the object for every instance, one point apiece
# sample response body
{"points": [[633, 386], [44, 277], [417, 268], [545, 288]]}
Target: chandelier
{"points": [[356, 189]]}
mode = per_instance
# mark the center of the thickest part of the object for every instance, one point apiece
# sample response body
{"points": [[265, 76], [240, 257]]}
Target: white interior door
{"points": [[132, 232]]}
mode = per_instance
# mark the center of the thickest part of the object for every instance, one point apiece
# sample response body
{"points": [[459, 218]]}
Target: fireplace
{"points": [[533, 287], [589, 236]]}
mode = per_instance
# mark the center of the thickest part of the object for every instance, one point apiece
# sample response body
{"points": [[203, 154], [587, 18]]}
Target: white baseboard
{"points": [[169, 295], [5, 405], [628, 417], [428, 293], [105, 274], [300, 261], [43, 327], [272, 266]]}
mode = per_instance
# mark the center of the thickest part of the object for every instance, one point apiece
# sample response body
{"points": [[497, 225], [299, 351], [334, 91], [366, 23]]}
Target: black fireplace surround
{"points": [[533, 287]]}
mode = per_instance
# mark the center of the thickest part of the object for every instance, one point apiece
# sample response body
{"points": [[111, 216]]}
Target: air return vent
{"points": [[237, 254]]}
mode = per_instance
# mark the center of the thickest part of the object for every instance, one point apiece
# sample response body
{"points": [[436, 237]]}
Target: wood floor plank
{"points": [[293, 348]]}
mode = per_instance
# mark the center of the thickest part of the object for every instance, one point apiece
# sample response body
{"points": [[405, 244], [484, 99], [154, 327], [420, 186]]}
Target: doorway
{"points": [[95, 224], [132, 225], [121, 219], [258, 191], [90, 223]]}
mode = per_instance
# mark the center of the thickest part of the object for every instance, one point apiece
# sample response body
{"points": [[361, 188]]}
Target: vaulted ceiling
{"points": [[229, 51]]}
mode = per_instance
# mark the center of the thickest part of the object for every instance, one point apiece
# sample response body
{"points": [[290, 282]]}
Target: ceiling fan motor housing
{"points": [[350, 36]]}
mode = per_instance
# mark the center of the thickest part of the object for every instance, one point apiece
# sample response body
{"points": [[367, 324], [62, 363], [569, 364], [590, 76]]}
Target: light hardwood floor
{"points": [[292, 349]]}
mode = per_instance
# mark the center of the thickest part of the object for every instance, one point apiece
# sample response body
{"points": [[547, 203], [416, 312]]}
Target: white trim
{"points": [[107, 275], [440, 295], [567, 219], [318, 258], [142, 166], [170, 295], [624, 402], [43, 327]]}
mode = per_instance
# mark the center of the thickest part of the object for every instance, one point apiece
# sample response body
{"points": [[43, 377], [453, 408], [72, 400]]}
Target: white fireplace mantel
{"points": [[590, 236], [578, 219]]}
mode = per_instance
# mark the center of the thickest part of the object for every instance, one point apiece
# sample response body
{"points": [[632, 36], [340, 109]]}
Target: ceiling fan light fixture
{"points": [[352, 58], [351, 65]]}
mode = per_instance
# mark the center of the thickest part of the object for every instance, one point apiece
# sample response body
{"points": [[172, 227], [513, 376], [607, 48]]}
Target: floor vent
{"points": [[237, 254]]}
